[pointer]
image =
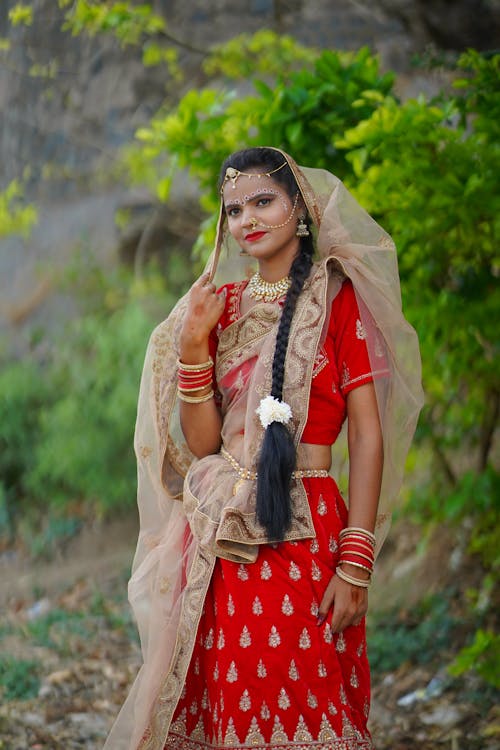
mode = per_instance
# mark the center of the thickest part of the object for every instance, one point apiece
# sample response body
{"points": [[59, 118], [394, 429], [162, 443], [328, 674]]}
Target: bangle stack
{"points": [[357, 549], [193, 380]]}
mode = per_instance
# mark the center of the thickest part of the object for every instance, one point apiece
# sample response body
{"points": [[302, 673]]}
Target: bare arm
{"points": [[365, 474], [365, 456], [201, 423]]}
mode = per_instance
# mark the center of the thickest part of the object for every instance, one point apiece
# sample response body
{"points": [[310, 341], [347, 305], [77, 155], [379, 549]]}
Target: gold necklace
{"points": [[268, 291]]}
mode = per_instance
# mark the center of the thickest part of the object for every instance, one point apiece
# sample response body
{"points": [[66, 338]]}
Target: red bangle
{"points": [[357, 548], [195, 384], [366, 565]]}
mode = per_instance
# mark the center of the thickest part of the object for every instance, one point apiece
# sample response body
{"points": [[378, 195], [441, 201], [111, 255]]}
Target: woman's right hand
{"points": [[204, 309]]}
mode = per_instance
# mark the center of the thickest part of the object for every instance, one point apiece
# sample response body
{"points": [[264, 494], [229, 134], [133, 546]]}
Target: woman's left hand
{"points": [[350, 604]]}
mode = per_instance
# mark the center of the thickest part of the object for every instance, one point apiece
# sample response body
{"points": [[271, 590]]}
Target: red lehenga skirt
{"points": [[263, 674]]}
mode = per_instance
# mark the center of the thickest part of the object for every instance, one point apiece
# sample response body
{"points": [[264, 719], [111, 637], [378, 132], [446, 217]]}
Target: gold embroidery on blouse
{"points": [[360, 330]]}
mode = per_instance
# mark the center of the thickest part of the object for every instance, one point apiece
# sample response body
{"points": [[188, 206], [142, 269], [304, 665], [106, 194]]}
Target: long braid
{"points": [[277, 458]]}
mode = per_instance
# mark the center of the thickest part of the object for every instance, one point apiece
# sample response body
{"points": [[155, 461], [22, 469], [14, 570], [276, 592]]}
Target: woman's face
{"points": [[262, 218]]}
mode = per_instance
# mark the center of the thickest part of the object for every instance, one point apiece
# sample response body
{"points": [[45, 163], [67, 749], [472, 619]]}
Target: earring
{"points": [[302, 230]]}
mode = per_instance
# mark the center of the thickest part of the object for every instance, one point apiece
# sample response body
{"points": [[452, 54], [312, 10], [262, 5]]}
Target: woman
{"points": [[251, 594]]}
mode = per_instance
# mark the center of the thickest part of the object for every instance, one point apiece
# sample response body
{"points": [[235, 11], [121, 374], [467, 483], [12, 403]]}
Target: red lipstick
{"points": [[253, 236]]}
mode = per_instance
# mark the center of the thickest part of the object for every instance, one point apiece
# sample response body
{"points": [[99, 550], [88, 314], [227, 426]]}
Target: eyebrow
{"points": [[264, 194]]}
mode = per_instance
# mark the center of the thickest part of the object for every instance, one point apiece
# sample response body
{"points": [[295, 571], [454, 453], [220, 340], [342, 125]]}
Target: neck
{"points": [[274, 270]]}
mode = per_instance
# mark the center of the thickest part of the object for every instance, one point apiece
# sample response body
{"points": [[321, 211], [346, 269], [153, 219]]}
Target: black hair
{"points": [[277, 458]]}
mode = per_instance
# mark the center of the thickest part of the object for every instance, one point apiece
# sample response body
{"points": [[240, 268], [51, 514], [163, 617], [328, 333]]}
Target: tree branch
{"points": [[184, 45], [142, 246], [440, 454], [488, 428]]}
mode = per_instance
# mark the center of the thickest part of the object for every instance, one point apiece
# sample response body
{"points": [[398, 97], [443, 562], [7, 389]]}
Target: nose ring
{"points": [[253, 222]]}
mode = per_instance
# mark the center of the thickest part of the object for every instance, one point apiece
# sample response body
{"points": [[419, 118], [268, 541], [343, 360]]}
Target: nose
{"points": [[249, 219]]}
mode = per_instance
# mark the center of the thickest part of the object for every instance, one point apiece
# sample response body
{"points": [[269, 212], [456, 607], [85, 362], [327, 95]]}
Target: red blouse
{"points": [[341, 364]]}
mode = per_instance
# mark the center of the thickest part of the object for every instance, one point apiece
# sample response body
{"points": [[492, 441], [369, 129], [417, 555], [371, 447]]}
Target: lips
{"points": [[253, 236]]}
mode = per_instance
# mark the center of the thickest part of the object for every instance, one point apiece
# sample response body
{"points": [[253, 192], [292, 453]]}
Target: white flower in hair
{"points": [[271, 409]]}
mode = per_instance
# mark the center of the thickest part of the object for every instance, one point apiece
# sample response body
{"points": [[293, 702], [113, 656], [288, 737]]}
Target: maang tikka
{"points": [[232, 174]]}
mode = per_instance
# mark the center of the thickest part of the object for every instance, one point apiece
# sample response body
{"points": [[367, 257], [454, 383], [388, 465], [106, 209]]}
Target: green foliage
{"points": [[56, 628], [128, 22], [429, 172], [417, 637], [21, 15], [264, 53], [23, 393], [44, 537], [480, 92], [156, 54], [16, 217], [19, 678], [132, 24], [433, 183], [66, 425], [85, 446], [302, 111], [482, 657]]}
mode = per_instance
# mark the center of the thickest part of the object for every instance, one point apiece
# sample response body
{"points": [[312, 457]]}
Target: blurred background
{"points": [[114, 119]]}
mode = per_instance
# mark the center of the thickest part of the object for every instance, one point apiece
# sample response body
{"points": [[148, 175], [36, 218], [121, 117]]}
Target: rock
{"points": [[56, 678], [32, 719], [444, 716], [89, 725], [38, 609], [433, 689]]}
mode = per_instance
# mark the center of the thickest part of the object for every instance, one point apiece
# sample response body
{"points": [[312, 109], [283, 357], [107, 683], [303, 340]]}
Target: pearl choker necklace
{"points": [[268, 291]]}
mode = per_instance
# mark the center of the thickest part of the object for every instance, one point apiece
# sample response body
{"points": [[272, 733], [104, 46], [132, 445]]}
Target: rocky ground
{"points": [[69, 652]]}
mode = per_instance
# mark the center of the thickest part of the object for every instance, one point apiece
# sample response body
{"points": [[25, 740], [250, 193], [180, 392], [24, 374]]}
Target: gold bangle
{"points": [[356, 565], [195, 399], [197, 367], [359, 530], [193, 390], [350, 579]]}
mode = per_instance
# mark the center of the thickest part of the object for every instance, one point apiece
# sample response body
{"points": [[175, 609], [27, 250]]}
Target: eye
{"points": [[233, 211], [264, 201]]}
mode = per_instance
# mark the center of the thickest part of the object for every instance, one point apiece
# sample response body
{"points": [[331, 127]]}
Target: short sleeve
{"points": [[349, 336]]}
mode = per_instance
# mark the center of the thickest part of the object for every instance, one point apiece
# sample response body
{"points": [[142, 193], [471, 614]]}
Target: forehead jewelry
{"points": [[232, 174]]}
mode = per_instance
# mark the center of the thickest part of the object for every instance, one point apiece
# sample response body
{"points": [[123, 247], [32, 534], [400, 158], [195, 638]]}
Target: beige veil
{"points": [[175, 557]]}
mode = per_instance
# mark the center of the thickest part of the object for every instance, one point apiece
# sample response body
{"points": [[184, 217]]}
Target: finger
{"points": [[327, 601], [344, 616], [339, 619], [202, 280], [340, 623], [210, 286]]}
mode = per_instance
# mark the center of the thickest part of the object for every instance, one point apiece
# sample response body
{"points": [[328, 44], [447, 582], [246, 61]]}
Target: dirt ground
{"points": [[69, 651]]}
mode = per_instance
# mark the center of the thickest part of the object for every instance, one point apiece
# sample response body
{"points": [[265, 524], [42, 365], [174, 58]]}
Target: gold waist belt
{"points": [[249, 474]]}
